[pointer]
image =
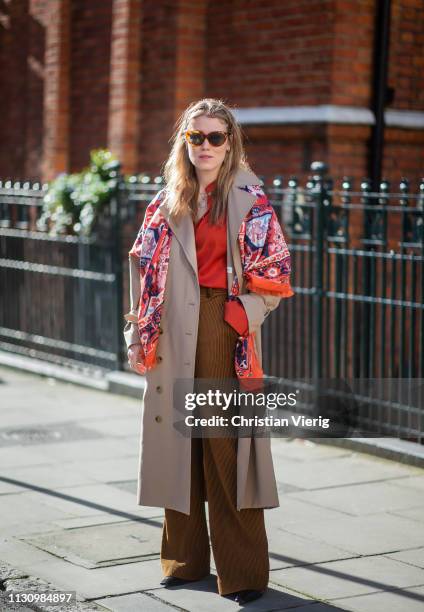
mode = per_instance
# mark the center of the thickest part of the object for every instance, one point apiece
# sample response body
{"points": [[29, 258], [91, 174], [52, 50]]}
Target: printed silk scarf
{"points": [[265, 264]]}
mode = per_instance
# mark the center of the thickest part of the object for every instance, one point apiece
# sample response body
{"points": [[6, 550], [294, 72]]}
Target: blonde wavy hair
{"points": [[181, 184]]}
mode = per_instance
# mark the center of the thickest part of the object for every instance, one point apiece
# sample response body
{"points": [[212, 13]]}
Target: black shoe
{"points": [[243, 597], [169, 581]]}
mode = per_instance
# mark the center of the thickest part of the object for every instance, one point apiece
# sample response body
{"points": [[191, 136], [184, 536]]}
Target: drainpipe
{"points": [[381, 95]]}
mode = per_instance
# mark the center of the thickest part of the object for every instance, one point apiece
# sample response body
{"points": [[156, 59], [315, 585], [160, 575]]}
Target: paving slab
{"points": [[115, 427], [293, 510], [102, 545], [142, 512], [314, 607], [343, 470], [20, 555], [109, 468], [53, 397], [414, 556], [89, 499], [16, 456], [100, 582], [203, 596], [362, 499], [364, 535], [349, 577], [416, 482], [414, 514], [287, 550], [136, 602], [46, 475], [97, 449], [46, 433], [24, 512], [408, 600], [298, 449]]}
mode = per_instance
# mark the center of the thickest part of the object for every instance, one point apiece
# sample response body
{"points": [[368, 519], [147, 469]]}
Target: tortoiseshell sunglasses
{"points": [[196, 138]]}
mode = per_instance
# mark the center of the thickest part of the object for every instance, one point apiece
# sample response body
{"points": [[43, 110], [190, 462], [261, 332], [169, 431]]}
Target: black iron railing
{"points": [[358, 312], [358, 274], [60, 294]]}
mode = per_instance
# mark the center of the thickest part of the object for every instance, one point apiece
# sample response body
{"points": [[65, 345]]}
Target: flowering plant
{"points": [[73, 201]]}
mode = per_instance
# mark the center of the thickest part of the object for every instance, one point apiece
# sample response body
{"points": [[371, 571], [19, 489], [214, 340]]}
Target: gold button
{"points": [[158, 419], [159, 389]]}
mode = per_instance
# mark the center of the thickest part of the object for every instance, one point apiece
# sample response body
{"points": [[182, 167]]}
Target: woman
{"points": [[208, 265]]}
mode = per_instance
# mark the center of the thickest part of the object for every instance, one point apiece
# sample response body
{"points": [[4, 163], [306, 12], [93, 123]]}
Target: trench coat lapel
{"points": [[184, 233], [240, 201]]}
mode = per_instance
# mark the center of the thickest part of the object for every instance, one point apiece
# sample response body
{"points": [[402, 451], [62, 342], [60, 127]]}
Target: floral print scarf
{"points": [[266, 269]]}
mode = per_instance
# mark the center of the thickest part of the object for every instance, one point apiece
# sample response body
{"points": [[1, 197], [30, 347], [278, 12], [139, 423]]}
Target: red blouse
{"points": [[211, 249]]}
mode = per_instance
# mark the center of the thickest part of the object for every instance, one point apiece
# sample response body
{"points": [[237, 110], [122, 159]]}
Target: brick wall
{"points": [[352, 52], [270, 53], [404, 157], [296, 53], [35, 88], [158, 39], [91, 24], [14, 24], [127, 95], [404, 149], [406, 59]]}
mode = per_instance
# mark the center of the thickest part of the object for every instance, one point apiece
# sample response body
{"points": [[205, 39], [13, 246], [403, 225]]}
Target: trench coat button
{"points": [[160, 330], [159, 358], [159, 389], [158, 419]]}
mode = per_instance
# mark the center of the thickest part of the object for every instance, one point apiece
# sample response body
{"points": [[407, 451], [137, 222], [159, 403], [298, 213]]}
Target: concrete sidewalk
{"points": [[348, 535]]}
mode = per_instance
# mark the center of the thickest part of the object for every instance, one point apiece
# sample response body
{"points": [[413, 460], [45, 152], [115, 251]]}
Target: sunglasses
{"points": [[196, 138]]}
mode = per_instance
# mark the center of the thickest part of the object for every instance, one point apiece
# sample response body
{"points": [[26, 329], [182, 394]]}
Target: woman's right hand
{"points": [[133, 357]]}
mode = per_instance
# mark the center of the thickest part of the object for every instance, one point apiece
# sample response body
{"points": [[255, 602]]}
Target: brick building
{"points": [[300, 74]]}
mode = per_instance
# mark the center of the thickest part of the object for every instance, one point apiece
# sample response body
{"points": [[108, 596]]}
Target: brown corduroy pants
{"points": [[238, 538]]}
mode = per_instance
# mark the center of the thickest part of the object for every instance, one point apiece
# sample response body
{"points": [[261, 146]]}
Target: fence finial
{"points": [[319, 169]]}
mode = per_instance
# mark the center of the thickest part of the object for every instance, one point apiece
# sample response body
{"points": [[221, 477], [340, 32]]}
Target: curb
{"points": [[122, 383], [394, 449]]}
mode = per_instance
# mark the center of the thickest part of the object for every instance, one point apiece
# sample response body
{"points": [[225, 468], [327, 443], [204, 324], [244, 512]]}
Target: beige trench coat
{"points": [[165, 454]]}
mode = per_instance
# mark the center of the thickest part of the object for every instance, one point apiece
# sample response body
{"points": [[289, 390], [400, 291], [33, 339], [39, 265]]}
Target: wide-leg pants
{"points": [[238, 538]]}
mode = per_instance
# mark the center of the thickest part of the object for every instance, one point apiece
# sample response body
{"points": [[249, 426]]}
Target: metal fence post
{"points": [[116, 227], [319, 193]]}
